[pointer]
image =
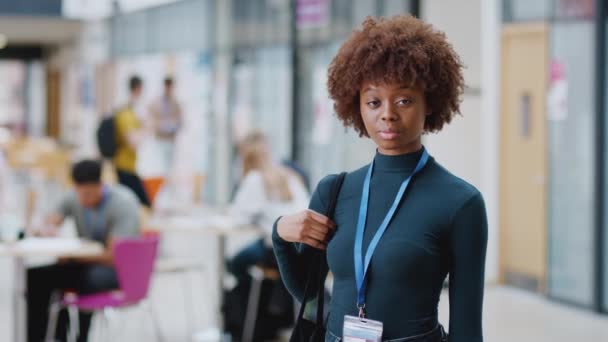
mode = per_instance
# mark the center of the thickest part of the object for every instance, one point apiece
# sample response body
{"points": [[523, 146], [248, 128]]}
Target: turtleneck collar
{"points": [[401, 162]]}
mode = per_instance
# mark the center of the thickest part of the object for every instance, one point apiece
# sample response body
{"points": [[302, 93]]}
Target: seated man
{"points": [[102, 213]]}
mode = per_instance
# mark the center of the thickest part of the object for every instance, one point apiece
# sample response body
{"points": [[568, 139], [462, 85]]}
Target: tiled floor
{"points": [[510, 315]]}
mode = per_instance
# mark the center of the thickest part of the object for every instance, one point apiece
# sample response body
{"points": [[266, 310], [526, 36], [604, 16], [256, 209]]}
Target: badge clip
{"points": [[361, 311]]}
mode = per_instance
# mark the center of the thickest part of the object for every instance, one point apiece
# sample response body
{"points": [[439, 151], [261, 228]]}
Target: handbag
{"points": [[306, 330]]}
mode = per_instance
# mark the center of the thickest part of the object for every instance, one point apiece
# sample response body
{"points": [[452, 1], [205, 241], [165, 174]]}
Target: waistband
{"points": [[438, 329]]}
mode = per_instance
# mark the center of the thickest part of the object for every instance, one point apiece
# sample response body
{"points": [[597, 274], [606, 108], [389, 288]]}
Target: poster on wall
{"points": [[79, 119], [312, 13], [557, 95], [272, 108], [12, 95], [241, 100], [193, 76]]}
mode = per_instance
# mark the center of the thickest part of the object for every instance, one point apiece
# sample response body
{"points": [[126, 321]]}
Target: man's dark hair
{"points": [[86, 171], [135, 82], [168, 81]]}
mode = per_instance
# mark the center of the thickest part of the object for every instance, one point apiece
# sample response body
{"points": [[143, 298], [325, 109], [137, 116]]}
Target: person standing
{"points": [[167, 120], [402, 223], [129, 134]]}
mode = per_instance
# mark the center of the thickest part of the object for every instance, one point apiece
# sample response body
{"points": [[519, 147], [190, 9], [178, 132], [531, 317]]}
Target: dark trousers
{"points": [[249, 256], [42, 282], [133, 182]]}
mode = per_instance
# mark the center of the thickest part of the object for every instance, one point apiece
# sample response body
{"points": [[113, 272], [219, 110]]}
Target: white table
{"points": [[205, 222], [38, 247]]}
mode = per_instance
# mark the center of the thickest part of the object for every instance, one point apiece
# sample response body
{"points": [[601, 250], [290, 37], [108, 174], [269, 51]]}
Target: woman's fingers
{"points": [[314, 243], [308, 227], [320, 227], [316, 234], [320, 219]]}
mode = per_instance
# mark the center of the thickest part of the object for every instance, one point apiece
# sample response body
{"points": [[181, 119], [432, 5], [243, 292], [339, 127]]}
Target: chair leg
{"points": [[51, 326], [74, 327], [252, 307], [95, 329], [148, 307], [188, 302], [104, 330]]}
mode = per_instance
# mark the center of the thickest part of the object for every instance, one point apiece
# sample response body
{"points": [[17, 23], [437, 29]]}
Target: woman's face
{"points": [[394, 116]]}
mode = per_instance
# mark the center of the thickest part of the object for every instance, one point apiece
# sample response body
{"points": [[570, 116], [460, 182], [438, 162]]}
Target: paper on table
{"points": [[61, 245], [223, 221], [217, 221]]}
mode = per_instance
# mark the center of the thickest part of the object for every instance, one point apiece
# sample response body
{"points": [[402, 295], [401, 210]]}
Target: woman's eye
{"points": [[373, 104], [404, 102]]}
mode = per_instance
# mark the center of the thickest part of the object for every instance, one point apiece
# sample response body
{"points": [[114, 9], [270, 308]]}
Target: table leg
{"points": [[221, 269], [19, 307]]}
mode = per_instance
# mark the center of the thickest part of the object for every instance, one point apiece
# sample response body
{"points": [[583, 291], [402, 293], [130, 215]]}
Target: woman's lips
{"points": [[388, 135]]}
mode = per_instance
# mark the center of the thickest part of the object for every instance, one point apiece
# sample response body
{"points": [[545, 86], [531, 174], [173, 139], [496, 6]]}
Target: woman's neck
{"points": [[409, 148]]}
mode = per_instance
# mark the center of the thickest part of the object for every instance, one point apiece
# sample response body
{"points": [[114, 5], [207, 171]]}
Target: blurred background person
{"points": [[166, 114], [102, 213], [267, 189], [129, 135]]}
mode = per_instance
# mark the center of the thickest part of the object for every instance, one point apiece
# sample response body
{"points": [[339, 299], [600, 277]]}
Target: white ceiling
{"points": [[58, 30], [96, 9]]}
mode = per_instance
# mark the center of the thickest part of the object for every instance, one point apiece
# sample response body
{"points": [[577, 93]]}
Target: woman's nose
{"points": [[388, 113]]}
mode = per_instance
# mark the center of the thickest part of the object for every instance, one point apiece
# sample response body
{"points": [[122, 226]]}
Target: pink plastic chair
{"points": [[134, 260]]}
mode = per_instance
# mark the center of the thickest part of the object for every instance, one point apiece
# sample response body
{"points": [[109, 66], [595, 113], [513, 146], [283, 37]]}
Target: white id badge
{"points": [[361, 330]]}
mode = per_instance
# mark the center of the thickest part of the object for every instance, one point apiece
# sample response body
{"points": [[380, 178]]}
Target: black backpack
{"points": [[106, 137]]}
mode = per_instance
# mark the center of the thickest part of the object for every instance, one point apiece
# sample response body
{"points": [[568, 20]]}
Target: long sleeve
{"points": [[294, 259], [468, 241]]}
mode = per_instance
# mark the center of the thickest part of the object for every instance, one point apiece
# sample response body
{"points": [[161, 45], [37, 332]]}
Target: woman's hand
{"points": [[307, 227]]}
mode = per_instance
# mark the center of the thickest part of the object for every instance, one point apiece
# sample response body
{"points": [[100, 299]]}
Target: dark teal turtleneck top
{"points": [[439, 228]]}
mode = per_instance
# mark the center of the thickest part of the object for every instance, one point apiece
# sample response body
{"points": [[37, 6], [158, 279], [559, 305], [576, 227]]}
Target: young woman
{"points": [[403, 223]]}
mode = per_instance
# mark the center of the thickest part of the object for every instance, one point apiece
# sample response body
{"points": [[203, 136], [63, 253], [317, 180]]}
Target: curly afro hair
{"points": [[404, 50]]}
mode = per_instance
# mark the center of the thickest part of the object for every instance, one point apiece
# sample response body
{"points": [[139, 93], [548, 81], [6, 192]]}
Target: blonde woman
{"points": [[266, 191]]}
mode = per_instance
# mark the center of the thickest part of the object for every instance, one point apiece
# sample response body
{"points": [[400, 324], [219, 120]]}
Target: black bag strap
{"points": [[317, 273]]}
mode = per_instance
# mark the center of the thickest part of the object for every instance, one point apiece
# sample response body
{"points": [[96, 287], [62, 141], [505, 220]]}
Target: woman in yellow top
{"points": [[128, 133]]}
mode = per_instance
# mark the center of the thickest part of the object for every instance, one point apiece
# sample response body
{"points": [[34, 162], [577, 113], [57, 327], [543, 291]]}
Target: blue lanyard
{"points": [[361, 267], [97, 227]]}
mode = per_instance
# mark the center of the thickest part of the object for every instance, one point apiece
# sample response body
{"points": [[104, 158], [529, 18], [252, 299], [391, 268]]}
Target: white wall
{"points": [[489, 125], [469, 145], [457, 146]]}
